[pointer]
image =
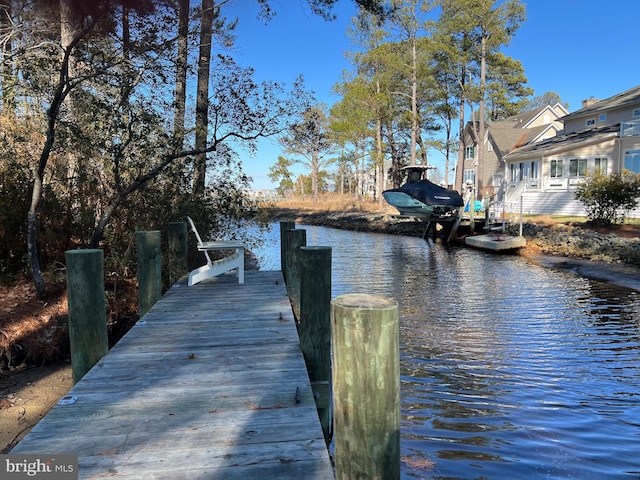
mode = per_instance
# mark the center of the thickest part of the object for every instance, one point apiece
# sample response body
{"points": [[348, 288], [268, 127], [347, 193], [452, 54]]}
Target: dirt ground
{"points": [[26, 395], [33, 372]]}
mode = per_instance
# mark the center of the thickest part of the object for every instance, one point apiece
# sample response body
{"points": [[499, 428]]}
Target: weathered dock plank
{"points": [[203, 387]]}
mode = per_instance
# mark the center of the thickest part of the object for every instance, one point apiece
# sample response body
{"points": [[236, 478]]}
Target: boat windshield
{"points": [[414, 176]]}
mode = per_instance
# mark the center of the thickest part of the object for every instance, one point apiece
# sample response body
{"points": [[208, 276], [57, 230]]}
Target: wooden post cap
{"points": [[365, 300], [84, 251]]}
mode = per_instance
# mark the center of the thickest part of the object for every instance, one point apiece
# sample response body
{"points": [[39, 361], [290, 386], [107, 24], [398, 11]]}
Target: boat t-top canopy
{"points": [[415, 173]]}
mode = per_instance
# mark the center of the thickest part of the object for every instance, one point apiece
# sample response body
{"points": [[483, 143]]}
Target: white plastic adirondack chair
{"points": [[213, 268]]}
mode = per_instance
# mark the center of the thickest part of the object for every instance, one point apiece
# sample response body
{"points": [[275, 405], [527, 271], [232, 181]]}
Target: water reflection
{"points": [[509, 370]]}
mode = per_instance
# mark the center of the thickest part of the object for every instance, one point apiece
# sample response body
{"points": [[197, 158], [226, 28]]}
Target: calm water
{"points": [[509, 370]]}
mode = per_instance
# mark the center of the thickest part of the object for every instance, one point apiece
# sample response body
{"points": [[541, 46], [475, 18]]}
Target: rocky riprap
{"points": [[572, 241]]}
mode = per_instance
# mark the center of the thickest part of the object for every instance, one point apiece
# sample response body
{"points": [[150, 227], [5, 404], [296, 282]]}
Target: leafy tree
{"points": [[608, 197], [506, 90], [548, 98], [310, 140], [407, 19], [469, 34], [279, 172], [104, 133], [351, 119]]}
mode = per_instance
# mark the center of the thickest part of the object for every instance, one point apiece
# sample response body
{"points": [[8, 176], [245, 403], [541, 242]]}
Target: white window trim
{"points": [[470, 150], [578, 161]]}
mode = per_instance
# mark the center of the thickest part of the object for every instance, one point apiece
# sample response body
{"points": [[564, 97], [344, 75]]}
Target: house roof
{"points": [[627, 98], [513, 132], [521, 120], [564, 142], [506, 139]]}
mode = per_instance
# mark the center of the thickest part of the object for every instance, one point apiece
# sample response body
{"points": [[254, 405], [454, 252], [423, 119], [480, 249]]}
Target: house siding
{"points": [[558, 204], [555, 195], [491, 171], [613, 117]]}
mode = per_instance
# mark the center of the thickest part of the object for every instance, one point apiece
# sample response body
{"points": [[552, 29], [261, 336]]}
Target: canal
{"points": [[508, 369]]}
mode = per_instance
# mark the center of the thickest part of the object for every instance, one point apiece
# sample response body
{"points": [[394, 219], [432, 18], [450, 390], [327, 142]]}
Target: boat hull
{"points": [[424, 199]]}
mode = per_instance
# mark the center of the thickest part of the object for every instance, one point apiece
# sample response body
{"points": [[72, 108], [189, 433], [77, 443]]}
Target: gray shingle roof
{"points": [[624, 99], [565, 141]]}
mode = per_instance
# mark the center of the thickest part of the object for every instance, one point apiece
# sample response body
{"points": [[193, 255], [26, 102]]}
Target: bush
{"points": [[607, 198]]}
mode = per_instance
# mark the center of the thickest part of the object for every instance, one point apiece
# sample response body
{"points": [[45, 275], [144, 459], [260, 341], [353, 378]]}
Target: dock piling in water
{"points": [[366, 386], [315, 326], [294, 239], [284, 227]]}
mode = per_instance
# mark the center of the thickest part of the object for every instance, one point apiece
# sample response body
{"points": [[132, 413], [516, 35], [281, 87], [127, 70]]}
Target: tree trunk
{"points": [[8, 79], [181, 74], [461, 143], [68, 43], [396, 177], [315, 170], [379, 163], [202, 96], [481, 124], [414, 99]]}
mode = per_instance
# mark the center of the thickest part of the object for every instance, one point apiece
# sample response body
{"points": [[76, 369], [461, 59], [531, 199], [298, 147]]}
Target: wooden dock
{"points": [[203, 387]]}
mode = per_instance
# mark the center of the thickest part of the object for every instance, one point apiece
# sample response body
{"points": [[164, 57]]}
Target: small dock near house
{"points": [[496, 242], [209, 384]]}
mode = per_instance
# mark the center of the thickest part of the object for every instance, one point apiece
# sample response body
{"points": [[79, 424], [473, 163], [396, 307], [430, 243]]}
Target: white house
{"points": [[486, 171], [602, 135]]}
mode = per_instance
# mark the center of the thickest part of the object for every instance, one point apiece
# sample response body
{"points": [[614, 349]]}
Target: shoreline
{"points": [[599, 256]]}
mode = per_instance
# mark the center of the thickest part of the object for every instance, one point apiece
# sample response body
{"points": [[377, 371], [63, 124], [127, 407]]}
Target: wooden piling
{"points": [[315, 327], [149, 270], [294, 239], [366, 387], [87, 309], [284, 227], [177, 252]]}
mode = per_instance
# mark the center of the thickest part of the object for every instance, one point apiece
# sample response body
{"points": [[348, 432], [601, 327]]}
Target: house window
{"points": [[602, 117], [632, 160], [600, 164], [469, 175], [578, 167], [590, 122], [636, 113], [555, 168], [469, 152], [630, 129]]}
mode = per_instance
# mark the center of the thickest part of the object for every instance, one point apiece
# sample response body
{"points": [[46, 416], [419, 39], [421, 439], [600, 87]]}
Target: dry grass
{"points": [[569, 220], [332, 202]]}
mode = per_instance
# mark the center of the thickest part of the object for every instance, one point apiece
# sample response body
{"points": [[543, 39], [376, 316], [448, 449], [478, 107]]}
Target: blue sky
{"points": [[576, 48]]}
